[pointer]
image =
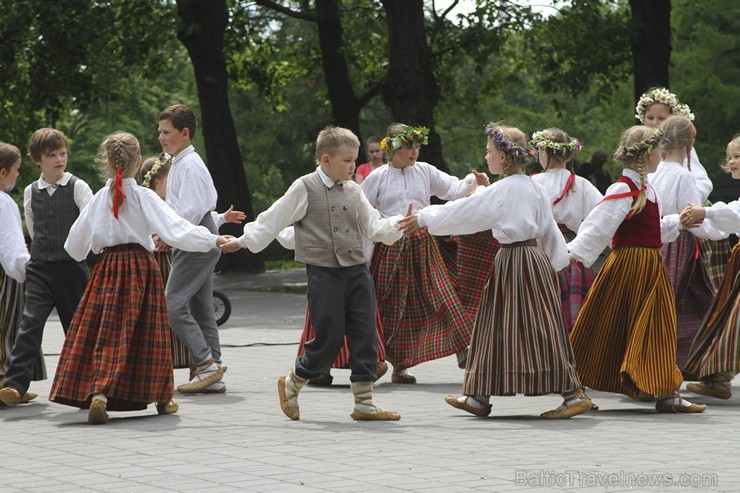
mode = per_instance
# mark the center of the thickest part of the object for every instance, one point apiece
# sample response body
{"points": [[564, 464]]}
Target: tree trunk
{"points": [[651, 43], [410, 88], [204, 22]]}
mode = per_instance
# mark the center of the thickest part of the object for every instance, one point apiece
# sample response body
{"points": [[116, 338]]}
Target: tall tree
{"points": [[651, 43], [202, 33]]}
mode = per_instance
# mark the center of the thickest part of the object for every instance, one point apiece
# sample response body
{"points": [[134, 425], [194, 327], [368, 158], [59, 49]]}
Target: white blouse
{"points": [[142, 215], [515, 208], [703, 183], [725, 217], [391, 190], [292, 206], [676, 189], [13, 251], [576, 204], [602, 223], [190, 190]]}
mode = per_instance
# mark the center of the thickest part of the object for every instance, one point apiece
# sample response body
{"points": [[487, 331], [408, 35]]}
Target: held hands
{"points": [[228, 243], [160, 245], [410, 223], [481, 178], [232, 216], [692, 216]]}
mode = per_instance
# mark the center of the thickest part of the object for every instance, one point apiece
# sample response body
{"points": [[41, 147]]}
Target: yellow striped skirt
{"points": [[624, 339]]}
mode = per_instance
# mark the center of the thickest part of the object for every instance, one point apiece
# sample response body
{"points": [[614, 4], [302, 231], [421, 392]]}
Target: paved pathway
{"points": [[241, 441]]}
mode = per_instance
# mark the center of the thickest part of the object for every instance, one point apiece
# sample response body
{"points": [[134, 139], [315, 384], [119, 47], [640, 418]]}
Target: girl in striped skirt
{"points": [[117, 355], [687, 270], [13, 258], [422, 316], [573, 197], [519, 342], [715, 353], [625, 336]]}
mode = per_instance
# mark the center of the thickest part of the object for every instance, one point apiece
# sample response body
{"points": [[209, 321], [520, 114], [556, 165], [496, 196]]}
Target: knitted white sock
{"points": [[293, 385], [100, 397], [363, 392], [676, 400], [479, 401], [205, 369]]}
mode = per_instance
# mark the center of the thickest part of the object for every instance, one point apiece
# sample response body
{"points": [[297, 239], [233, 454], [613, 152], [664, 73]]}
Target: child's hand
{"points": [[692, 216], [232, 216], [160, 245], [410, 223], [481, 178], [228, 244]]}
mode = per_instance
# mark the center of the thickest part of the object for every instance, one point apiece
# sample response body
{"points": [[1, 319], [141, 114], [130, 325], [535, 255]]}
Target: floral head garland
{"points": [[164, 159], [501, 143], [408, 137], [540, 140], [642, 148], [663, 96]]}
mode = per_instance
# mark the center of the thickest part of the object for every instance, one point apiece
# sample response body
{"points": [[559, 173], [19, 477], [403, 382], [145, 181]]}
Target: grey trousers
{"points": [[189, 294], [341, 302]]}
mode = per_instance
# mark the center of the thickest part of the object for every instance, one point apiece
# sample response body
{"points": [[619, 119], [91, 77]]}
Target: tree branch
{"points": [[296, 14], [370, 94], [438, 20]]}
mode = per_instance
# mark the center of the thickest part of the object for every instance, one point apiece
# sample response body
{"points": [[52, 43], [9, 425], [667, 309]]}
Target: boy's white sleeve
{"points": [[373, 227], [286, 238], [28, 209], [288, 209]]}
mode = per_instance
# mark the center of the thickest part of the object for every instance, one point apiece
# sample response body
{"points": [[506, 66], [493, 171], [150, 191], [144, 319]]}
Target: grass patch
{"points": [[283, 264]]}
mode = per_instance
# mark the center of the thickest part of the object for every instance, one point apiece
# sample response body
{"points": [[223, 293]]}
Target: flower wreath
{"points": [[164, 159], [501, 143], [408, 137], [643, 147], [663, 96], [539, 140]]}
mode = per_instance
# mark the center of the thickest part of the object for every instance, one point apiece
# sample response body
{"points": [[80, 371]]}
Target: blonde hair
{"points": [[9, 155], [733, 144], [634, 146], [513, 142], [45, 141], [678, 133], [146, 169], [119, 151], [330, 139]]}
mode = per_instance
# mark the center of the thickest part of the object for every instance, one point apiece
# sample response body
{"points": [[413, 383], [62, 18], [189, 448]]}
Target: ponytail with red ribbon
{"points": [[118, 194]]}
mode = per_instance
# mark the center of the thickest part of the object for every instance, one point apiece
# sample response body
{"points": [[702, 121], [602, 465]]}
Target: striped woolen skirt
{"points": [[12, 298], [421, 313], [692, 288], [118, 343], [717, 345], [180, 355], [624, 338], [519, 342], [575, 282], [342, 359], [475, 256]]}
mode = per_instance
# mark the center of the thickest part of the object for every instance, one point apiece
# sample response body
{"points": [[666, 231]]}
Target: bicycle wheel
{"points": [[221, 307]]}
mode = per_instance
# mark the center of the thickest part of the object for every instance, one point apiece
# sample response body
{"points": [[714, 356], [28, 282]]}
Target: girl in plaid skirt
{"points": [[422, 315], [519, 342], [117, 355], [715, 353], [625, 336], [573, 197]]}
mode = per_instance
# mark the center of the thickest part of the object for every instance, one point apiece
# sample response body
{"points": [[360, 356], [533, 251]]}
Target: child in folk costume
{"points": [[625, 336], [573, 197], [117, 353], [422, 316], [330, 216], [153, 174], [715, 353], [687, 272], [519, 342], [654, 107], [13, 258]]}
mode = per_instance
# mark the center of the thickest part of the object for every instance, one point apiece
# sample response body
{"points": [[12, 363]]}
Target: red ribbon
{"points": [[623, 195], [118, 195], [568, 184]]}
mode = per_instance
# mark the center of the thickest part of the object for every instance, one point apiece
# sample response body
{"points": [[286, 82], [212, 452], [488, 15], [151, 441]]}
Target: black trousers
{"points": [[341, 302]]}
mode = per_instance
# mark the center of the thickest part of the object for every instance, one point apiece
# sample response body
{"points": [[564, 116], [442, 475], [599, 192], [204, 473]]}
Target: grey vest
{"points": [[53, 217], [328, 235]]}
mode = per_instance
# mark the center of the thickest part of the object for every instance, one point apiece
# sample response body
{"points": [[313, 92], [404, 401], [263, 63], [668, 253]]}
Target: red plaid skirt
{"points": [[716, 347], [475, 257], [180, 355], [574, 282], [342, 359], [118, 343], [422, 316], [691, 285]]}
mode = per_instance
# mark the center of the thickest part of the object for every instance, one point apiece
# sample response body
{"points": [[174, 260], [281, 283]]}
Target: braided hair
{"points": [[117, 153], [634, 146]]}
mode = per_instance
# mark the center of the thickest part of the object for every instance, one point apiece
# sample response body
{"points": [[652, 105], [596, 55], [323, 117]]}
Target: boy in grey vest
{"points": [[330, 215], [53, 278]]}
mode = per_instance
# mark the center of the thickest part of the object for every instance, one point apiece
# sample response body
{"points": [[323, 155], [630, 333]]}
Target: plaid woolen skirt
{"points": [[716, 255], [118, 343], [180, 355], [422, 316], [12, 299], [624, 339], [716, 347], [575, 282], [342, 359], [475, 256], [692, 288], [519, 344]]}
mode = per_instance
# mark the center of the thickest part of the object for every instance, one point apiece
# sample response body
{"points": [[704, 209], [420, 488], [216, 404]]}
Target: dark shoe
{"points": [[323, 380], [97, 414], [478, 411]]}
